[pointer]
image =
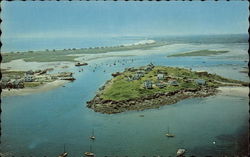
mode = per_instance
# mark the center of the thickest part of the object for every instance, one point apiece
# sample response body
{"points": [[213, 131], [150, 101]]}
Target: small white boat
{"points": [[92, 137], [64, 154], [180, 152], [169, 134], [89, 154]]}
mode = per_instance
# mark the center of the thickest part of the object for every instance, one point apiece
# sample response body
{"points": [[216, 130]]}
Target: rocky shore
{"points": [[152, 86], [153, 101]]}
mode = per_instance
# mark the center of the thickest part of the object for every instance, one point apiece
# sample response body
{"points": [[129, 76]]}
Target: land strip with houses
{"points": [[153, 86]]}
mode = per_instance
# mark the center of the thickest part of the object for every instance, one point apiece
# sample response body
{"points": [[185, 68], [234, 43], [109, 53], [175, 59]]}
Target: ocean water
{"points": [[40, 124], [36, 44]]}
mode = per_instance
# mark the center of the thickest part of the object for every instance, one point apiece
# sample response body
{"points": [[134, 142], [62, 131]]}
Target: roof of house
{"points": [[148, 82], [5, 79], [174, 82], [160, 75], [200, 81]]}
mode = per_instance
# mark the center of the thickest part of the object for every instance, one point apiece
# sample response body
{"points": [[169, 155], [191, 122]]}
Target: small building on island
{"points": [[200, 82], [138, 75], [28, 78], [141, 72], [3, 84], [149, 67], [160, 76], [148, 84], [18, 84], [160, 85], [14, 84], [5, 79], [173, 83]]}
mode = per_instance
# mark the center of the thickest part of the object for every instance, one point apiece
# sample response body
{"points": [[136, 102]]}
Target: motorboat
{"points": [[180, 152], [89, 154]]}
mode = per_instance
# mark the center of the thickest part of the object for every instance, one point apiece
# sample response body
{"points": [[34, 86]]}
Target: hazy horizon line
{"points": [[42, 36]]}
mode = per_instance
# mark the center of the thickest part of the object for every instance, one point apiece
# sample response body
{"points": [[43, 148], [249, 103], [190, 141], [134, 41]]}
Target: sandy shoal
{"points": [[234, 91], [21, 65], [27, 91]]}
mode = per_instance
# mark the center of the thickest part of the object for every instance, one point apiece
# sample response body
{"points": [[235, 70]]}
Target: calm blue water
{"points": [[39, 124]]}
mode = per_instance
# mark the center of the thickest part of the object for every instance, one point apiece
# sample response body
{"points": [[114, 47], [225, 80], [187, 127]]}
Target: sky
{"points": [[99, 19]]}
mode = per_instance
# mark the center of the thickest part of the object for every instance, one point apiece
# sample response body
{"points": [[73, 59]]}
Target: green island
{"points": [[66, 54], [199, 53], [153, 86]]}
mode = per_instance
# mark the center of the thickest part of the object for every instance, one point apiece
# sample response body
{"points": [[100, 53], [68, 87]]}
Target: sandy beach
{"points": [[21, 65], [234, 91], [39, 89]]}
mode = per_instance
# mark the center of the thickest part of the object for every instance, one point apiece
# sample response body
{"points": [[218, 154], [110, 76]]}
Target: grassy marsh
{"points": [[63, 55], [199, 53]]}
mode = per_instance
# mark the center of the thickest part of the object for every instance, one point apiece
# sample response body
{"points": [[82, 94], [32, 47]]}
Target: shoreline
{"points": [[150, 102], [21, 65], [152, 86], [26, 91], [158, 100], [66, 54], [234, 91]]}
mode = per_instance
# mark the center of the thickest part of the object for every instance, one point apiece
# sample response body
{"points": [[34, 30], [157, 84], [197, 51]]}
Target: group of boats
{"points": [[90, 152], [179, 153], [64, 154], [87, 154]]}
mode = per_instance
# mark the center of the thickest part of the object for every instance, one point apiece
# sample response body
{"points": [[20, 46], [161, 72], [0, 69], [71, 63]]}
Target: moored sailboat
{"points": [[64, 154], [169, 134], [90, 153], [92, 137]]}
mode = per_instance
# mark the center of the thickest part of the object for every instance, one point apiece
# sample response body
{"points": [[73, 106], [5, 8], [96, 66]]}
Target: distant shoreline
{"points": [[69, 54]]}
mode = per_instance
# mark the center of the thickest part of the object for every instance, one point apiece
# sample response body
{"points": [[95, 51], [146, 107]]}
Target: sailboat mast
{"points": [[64, 148]]}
